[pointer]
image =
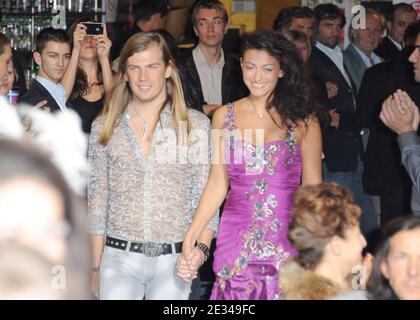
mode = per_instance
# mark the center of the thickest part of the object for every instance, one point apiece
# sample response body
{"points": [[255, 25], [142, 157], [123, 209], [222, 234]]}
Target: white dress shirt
{"points": [[56, 90], [336, 56]]}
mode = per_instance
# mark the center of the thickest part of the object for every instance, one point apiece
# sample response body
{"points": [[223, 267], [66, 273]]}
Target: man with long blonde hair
{"points": [[145, 179]]}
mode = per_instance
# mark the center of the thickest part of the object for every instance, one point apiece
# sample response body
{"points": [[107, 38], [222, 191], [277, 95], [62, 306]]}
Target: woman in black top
{"points": [[88, 76]]}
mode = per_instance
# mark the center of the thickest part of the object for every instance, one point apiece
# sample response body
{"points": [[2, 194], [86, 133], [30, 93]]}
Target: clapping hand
{"points": [[400, 113]]}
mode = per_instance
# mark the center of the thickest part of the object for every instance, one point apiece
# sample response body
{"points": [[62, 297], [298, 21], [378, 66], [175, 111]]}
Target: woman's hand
{"points": [[103, 45], [79, 35], [184, 271], [190, 260]]}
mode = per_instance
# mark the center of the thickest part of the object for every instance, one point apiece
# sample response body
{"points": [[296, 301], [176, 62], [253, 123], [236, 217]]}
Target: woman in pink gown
{"points": [[269, 143]]}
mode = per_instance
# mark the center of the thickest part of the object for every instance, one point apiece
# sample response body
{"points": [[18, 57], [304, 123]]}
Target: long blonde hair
{"points": [[121, 95]]}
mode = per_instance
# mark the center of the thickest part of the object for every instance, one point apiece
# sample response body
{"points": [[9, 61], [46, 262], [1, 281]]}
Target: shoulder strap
{"points": [[230, 118]]}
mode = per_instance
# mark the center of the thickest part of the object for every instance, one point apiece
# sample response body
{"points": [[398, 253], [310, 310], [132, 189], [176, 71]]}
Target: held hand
{"points": [[332, 89], [79, 35], [195, 259], [183, 269]]}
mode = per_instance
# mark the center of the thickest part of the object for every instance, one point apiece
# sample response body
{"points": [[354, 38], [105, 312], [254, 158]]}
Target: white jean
{"points": [[126, 275]]}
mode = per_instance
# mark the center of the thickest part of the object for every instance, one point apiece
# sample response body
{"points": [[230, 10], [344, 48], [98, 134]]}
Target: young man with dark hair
{"points": [[210, 78], [52, 54], [397, 20], [295, 18]]}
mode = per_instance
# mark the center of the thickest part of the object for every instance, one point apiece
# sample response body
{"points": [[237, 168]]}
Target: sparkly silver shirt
{"points": [[154, 200]]}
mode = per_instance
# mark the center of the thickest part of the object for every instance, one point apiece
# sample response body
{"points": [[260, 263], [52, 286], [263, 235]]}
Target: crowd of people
{"points": [[290, 172]]}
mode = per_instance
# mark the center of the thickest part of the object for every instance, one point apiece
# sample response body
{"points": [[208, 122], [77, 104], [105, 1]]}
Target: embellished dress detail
{"points": [[252, 241]]}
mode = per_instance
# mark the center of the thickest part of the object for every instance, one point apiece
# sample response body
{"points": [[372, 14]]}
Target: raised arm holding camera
{"points": [[88, 76]]}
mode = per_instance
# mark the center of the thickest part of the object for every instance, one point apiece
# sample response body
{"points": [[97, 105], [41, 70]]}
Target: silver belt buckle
{"points": [[152, 249]]}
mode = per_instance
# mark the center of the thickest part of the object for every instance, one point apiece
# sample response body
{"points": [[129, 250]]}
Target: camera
{"points": [[94, 28]]}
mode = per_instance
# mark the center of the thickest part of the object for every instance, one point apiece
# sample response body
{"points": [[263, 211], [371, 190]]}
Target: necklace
{"points": [[146, 124], [260, 115]]}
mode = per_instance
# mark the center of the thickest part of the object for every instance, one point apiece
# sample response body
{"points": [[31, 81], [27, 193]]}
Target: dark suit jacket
{"points": [[382, 157], [387, 50], [36, 93], [342, 146], [233, 87]]}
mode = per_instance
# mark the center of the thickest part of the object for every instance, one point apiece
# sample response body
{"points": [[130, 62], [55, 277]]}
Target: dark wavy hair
{"points": [[293, 96], [51, 34], [378, 286], [285, 17], [328, 11]]}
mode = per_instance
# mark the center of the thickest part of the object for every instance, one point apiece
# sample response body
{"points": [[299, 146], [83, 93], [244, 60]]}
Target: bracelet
{"points": [[205, 249], [94, 269]]}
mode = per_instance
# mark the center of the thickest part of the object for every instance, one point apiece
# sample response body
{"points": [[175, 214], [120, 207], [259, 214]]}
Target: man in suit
{"points": [[210, 78], [342, 139], [359, 54], [401, 115], [397, 20], [52, 54], [384, 174]]}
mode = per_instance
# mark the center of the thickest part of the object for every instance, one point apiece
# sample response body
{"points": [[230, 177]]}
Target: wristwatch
{"points": [[205, 249]]}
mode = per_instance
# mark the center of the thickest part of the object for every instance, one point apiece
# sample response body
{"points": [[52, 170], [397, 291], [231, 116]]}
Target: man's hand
{"points": [[404, 102], [399, 113], [335, 118], [332, 89], [184, 271]]}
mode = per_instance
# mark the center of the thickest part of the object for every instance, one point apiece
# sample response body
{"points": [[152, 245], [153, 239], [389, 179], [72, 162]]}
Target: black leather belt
{"points": [[150, 249]]}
